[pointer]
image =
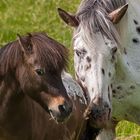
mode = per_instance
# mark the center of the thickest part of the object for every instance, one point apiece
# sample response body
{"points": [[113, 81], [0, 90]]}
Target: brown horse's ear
{"points": [[116, 15], [68, 18], [26, 46]]}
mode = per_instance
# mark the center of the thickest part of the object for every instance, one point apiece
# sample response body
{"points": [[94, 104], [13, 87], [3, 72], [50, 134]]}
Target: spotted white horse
{"points": [[107, 59]]}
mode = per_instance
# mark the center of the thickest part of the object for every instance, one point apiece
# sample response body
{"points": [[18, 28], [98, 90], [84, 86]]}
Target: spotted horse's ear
{"points": [[117, 14], [68, 18]]}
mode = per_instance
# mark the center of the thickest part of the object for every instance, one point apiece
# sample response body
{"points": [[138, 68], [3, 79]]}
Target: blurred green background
{"points": [[24, 16]]}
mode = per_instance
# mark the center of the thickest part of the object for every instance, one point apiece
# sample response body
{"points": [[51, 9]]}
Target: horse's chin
{"points": [[100, 123], [98, 118], [102, 120]]}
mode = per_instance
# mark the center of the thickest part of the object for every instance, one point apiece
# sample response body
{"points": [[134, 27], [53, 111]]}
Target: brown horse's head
{"points": [[37, 62]]}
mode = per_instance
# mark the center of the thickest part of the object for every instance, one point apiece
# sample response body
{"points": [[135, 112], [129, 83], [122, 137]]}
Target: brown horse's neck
{"points": [[19, 114], [10, 97]]}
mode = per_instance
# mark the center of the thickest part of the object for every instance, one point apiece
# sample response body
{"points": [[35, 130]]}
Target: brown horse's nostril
{"points": [[62, 108], [65, 109]]}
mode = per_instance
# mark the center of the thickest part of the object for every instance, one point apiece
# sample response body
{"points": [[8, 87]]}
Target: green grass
{"points": [[23, 16], [128, 130]]}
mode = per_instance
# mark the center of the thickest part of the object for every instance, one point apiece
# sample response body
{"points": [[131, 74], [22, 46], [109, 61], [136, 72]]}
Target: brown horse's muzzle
{"points": [[59, 108], [61, 112]]}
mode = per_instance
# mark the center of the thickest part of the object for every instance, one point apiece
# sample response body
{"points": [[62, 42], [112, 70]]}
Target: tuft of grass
{"points": [[128, 131], [26, 16]]}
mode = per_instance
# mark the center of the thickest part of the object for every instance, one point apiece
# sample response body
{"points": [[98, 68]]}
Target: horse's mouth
{"points": [[99, 116], [59, 118]]}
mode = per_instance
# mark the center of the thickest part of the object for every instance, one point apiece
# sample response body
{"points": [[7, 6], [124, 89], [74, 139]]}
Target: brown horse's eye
{"points": [[40, 72]]}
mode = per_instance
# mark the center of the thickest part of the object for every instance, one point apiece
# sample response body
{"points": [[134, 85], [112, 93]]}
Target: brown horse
{"points": [[32, 94], [30, 70]]}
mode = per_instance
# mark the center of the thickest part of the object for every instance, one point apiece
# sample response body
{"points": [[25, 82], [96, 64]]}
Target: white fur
{"points": [[130, 104], [126, 106], [126, 102], [100, 58], [72, 87]]}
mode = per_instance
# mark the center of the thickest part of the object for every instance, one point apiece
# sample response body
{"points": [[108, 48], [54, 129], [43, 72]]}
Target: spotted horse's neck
{"points": [[129, 31], [126, 84]]}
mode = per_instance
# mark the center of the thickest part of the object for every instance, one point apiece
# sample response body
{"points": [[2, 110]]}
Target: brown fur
{"points": [[25, 96], [21, 85], [49, 53]]}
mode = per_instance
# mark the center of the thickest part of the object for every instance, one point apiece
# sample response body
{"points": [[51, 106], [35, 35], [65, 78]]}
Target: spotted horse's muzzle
{"points": [[98, 112]]}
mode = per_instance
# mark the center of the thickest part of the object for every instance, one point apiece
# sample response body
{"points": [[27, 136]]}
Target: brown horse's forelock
{"points": [[50, 54]]}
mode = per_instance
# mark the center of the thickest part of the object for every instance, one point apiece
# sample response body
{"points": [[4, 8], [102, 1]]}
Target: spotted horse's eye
{"points": [[40, 72]]}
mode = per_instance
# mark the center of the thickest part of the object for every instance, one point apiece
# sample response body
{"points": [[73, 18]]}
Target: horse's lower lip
{"points": [[99, 123], [52, 115], [59, 119], [63, 118], [55, 119]]}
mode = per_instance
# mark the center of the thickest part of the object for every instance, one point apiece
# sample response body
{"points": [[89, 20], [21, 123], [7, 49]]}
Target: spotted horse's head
{"points": [[96, 45]]}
